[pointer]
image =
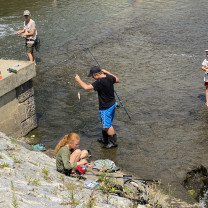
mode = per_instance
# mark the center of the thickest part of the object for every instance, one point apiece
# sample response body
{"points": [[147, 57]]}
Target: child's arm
{"points": [[107, 72], [83, 84]]}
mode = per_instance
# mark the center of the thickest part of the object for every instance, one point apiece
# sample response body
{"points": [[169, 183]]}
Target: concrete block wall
{"points": [[17, 102]]}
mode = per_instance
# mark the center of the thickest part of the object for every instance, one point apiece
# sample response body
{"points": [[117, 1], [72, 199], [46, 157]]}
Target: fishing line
{"points": [[126, 177], [86, 48]]}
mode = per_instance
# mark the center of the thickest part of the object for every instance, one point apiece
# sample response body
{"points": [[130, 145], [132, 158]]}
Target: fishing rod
{"points": [[114, 89], [122, 105], [126, 177]]}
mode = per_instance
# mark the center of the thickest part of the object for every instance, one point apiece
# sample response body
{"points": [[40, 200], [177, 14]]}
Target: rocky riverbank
{"points": [[28, 178]]}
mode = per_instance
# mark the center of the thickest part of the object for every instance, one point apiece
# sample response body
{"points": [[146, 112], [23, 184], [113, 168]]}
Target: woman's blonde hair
{"points": [[72, 137]]}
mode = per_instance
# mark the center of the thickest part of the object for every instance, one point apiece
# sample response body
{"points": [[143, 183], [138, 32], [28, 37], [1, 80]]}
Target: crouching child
{"points": [[68, 157]]}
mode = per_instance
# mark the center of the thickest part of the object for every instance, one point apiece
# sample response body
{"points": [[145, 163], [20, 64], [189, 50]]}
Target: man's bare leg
{"points": [[31, 57]]}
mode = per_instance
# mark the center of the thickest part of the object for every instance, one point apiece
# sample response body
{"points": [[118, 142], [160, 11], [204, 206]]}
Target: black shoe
{"points": [[112, 139], [110, 145]]}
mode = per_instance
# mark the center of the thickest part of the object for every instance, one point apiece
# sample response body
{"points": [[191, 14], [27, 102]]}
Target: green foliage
{"points": [[13, 141], [9, 154], [62, 178], [34, 163], [12, 186], [191, 192], [91, 201], [45, 173], [16, 160], [36, 182], [127, 190], [107, 185], [14, 199], [155, 195], [1, 157], [70, 186], [6, 165], [73, 201]]}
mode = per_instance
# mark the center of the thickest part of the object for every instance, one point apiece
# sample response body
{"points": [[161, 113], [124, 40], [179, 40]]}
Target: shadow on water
{"points": [[202, 97], [38, 60]]}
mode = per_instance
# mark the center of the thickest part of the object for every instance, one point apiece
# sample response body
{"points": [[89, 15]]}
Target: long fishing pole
{"points": [[122, 105], [126, 177], [114, 90]]}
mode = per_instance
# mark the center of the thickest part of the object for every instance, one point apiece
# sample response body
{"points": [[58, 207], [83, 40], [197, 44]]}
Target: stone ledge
{"points": [[25, 71], [29, 124], [26, 109], [25, 91]]}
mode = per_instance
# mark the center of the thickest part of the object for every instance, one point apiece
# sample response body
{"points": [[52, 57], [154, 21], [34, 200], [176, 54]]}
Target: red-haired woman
{"points": [[68, 157]]}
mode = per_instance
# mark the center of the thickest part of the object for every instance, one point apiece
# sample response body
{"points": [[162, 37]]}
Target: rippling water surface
{"points": [[155, 47]]}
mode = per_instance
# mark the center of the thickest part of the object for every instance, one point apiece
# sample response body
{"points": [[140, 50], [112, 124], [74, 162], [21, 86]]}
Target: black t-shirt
{"points": [[105, 89]]}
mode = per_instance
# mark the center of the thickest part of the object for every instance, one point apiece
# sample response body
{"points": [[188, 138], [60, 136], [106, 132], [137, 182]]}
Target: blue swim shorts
{"points": [[106, 116]]}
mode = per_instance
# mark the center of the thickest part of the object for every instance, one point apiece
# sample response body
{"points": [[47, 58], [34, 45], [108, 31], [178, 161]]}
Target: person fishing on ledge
{"points": [[29, 32], [104, 85], [204, 67]]}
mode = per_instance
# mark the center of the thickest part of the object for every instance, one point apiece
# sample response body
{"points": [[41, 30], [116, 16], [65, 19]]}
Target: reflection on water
{"points": [[156, 49]]}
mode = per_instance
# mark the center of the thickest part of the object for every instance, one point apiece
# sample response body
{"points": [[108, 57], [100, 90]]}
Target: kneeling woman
{"points": [[68, 157]]}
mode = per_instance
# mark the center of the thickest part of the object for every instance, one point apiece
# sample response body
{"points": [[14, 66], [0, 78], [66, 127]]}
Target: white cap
{"points": [[206, 50], [26, 12]]}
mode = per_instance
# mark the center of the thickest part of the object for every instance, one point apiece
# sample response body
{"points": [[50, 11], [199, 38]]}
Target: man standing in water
{"points": [[205, 68], [107, 103], [29, 32]]}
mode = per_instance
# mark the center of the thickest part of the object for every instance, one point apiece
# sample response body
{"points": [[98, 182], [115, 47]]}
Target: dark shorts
{"points": [[106, 116], [29, 47], [206, 84]]}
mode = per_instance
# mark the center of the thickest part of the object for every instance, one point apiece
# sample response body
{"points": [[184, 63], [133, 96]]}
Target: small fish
{"points": [[78, 95]]}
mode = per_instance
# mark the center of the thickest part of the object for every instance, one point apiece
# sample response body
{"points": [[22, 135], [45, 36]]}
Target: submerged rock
{"points": [[196, 182]]}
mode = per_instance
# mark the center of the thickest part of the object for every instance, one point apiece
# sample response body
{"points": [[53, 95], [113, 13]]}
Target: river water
{"points": [[156, 49]]}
